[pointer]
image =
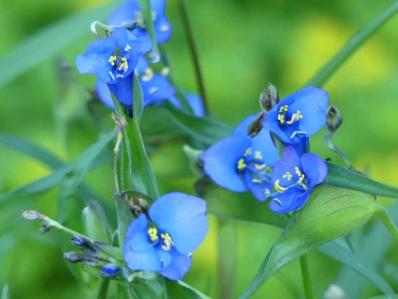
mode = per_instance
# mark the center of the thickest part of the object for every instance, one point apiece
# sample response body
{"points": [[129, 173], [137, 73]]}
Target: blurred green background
{"points": [[243, 45]]}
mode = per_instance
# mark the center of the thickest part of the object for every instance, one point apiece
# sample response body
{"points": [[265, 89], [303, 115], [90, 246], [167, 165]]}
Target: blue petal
{"points": [[312, 103], [126, 12], [258, 190], [142, 65], [183, 217], [289, 161], [95, 60], [289, 201], [302, 146], [221, 159], [179, 265], [158, 7], [104, 94], [143, 260], [123, 90], [315, 169], [163, 256], [136, 236], [195, 102], [241, 129], [157, 89], [263, 143], [163, 30]]}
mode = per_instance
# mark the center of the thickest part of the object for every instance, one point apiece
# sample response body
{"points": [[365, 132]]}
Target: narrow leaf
{"points": [[351, 179], [95, 222], [330, 213], [181, 290], [148, 20], [4, 292], [55, 38]]}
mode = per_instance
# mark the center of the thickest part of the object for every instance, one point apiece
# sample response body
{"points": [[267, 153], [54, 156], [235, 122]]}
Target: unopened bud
{"points": [[82, 243], [74, 257], [334, 118], [269, 98], [334, 292], [110, 270], [256, 126], [31, 215]]}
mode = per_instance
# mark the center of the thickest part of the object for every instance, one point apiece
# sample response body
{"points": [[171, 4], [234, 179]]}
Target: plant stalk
{"points": [[305, 273]]}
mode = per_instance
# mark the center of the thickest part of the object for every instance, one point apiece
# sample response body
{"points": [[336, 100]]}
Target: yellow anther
{"points": [[278, 187], [260, 166], [148, 75], [287, 176], [124, 65], [241, 164], [167, 241], [295, 117], [248, 152], [127, 48], [153, 234], [112, 60], [297, 171], [258, 155]]}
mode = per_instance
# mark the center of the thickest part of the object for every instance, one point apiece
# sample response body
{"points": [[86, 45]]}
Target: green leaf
{"points": [[203, 129], [372, 248], [96, 223], [137, 99], [357, 40], [56, 37], [150, 288], [392, 296], [30, 149], [342, 254], [240, 206], [180, 290], [351, 179], [79, 167], [124, 217], [330, 213]]}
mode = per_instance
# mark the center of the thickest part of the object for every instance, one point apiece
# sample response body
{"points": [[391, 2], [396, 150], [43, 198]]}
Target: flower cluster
{"points": [[123, 54], [241, 163]]}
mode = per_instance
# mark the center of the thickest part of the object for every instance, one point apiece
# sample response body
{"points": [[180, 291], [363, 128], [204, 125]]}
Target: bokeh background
{"points": [[243, 45]]}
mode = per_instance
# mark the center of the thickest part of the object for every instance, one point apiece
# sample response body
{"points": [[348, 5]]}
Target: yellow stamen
{"points": [[287, 176], [248, 152], [167, 241], [112, 60], [127, 48], [153, 234], [258, 155], [295, 117], [278, 187], [241, 164], [124, 65]]}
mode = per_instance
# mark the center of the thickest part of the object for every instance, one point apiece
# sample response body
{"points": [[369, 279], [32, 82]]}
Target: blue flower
{"points": [[113, 60], [110, 270], [164, 242], [130, 10], [240, 163], [156, 88], [294, 178], [194, 101], [299, 115]]}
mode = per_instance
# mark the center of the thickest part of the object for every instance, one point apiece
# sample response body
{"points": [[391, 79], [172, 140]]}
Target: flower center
{"points": [[162, 238], [289, 119], [119, 63], [298, 182], [252, 161]]}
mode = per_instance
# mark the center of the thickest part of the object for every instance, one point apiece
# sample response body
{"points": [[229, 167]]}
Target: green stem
{"points": [[353, 44], [103, 289], [388, 222], [226, 258], [194, 52], [116, 150], [305, 272]]}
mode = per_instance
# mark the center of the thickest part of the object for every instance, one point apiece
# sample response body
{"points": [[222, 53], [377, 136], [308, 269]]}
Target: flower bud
{"points": [[269, 98], [334, 292], [334, 118], [74, 257], [256, 126], [82, 243], [110, 270], [31, 215]]}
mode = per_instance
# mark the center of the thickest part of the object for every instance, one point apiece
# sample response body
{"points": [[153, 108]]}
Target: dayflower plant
{"points": [[164, 240], [294, 178], [113, 60], [240, 163], [299, 115]]}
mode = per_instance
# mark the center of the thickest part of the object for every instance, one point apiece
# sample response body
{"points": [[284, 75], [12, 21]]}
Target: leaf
{"points": [[30, 149], [330, 213], [371, 248], [150, 288], [55, 38], [180, 290], [240, 206], [147, 12], [137, 99], [80, 167], [342, 254], [4, 292], [96, 223], [203, 129], [351, 179], [143, 176], [392, 296]]}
